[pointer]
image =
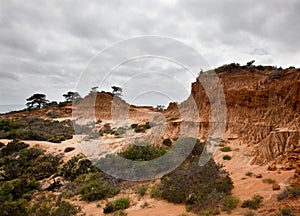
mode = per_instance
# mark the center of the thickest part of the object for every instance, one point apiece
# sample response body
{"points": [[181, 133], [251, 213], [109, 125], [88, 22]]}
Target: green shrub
{"points": [[249, 174], [229, 203], [140, 129], [76, 166], [12, 147], [133, 126], [287, 212], [226, 157], [143, 153], [289, 192], [156, 191], [142, 190], [93, 187], [167, 142], [69, 149], [118, 204], [16, 189], [253, 203], [48, 206], [37, 129], [191, 184], [42, 167], [226, 149], [120, 213], [269, 181], [18, 208]]}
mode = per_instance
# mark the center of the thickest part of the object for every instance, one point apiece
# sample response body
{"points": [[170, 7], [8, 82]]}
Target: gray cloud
{"points": [[45, 45]]}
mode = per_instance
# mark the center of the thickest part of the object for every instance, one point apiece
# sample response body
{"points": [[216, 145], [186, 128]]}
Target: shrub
{"points": [[253, 203], [140, 129], [226, 149], [93, 187], [69, 149], [18, 208], [48, 206], [12, 147], [289, 192], [133, 126], [37, 129], [286, 212], [269, 181], [142, 190], [76, 166], [167, 142], [189, 183], [118, 204], [229, 203], [42, 167], [249, 174], [143, 153], [120, 213], [226, 157]]}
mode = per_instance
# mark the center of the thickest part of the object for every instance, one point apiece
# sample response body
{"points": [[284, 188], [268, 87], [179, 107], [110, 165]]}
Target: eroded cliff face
{"points": [[262, 110]]}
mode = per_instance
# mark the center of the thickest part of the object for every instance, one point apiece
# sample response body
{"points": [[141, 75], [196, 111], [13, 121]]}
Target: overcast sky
{"points": [[46, 45]]}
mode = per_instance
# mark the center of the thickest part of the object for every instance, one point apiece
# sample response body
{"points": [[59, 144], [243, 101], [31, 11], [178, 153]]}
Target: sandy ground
{"points": [[244, 186]]}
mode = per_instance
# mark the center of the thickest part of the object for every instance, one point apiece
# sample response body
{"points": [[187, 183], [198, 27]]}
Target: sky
{"points": [[54, 46]]}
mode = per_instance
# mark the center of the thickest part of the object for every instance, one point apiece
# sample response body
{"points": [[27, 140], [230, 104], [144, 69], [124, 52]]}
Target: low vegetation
{"points": [[142, 190], [92, 187], [200, 188], [253, 203], [36, 129], [69, 149], [226, 157], [118, 204], [290, 192], [229, 203], [269, 181], [143, 152], [21, 169], [226, 149], [167, 142], [249, 174]]}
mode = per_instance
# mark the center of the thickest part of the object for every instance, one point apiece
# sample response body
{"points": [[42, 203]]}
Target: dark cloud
{"points": [[46, 45]]}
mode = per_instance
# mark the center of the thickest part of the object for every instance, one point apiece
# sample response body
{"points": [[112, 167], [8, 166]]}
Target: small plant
{"points": [[69, 149], [229, 203], [226, 157], [167, 142], [226, 149], [118, 204], [253, 203], [120, 213], [269, 181], [142, 190], [289, 192], [93, 187], [286, 212], [249, 174]]}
